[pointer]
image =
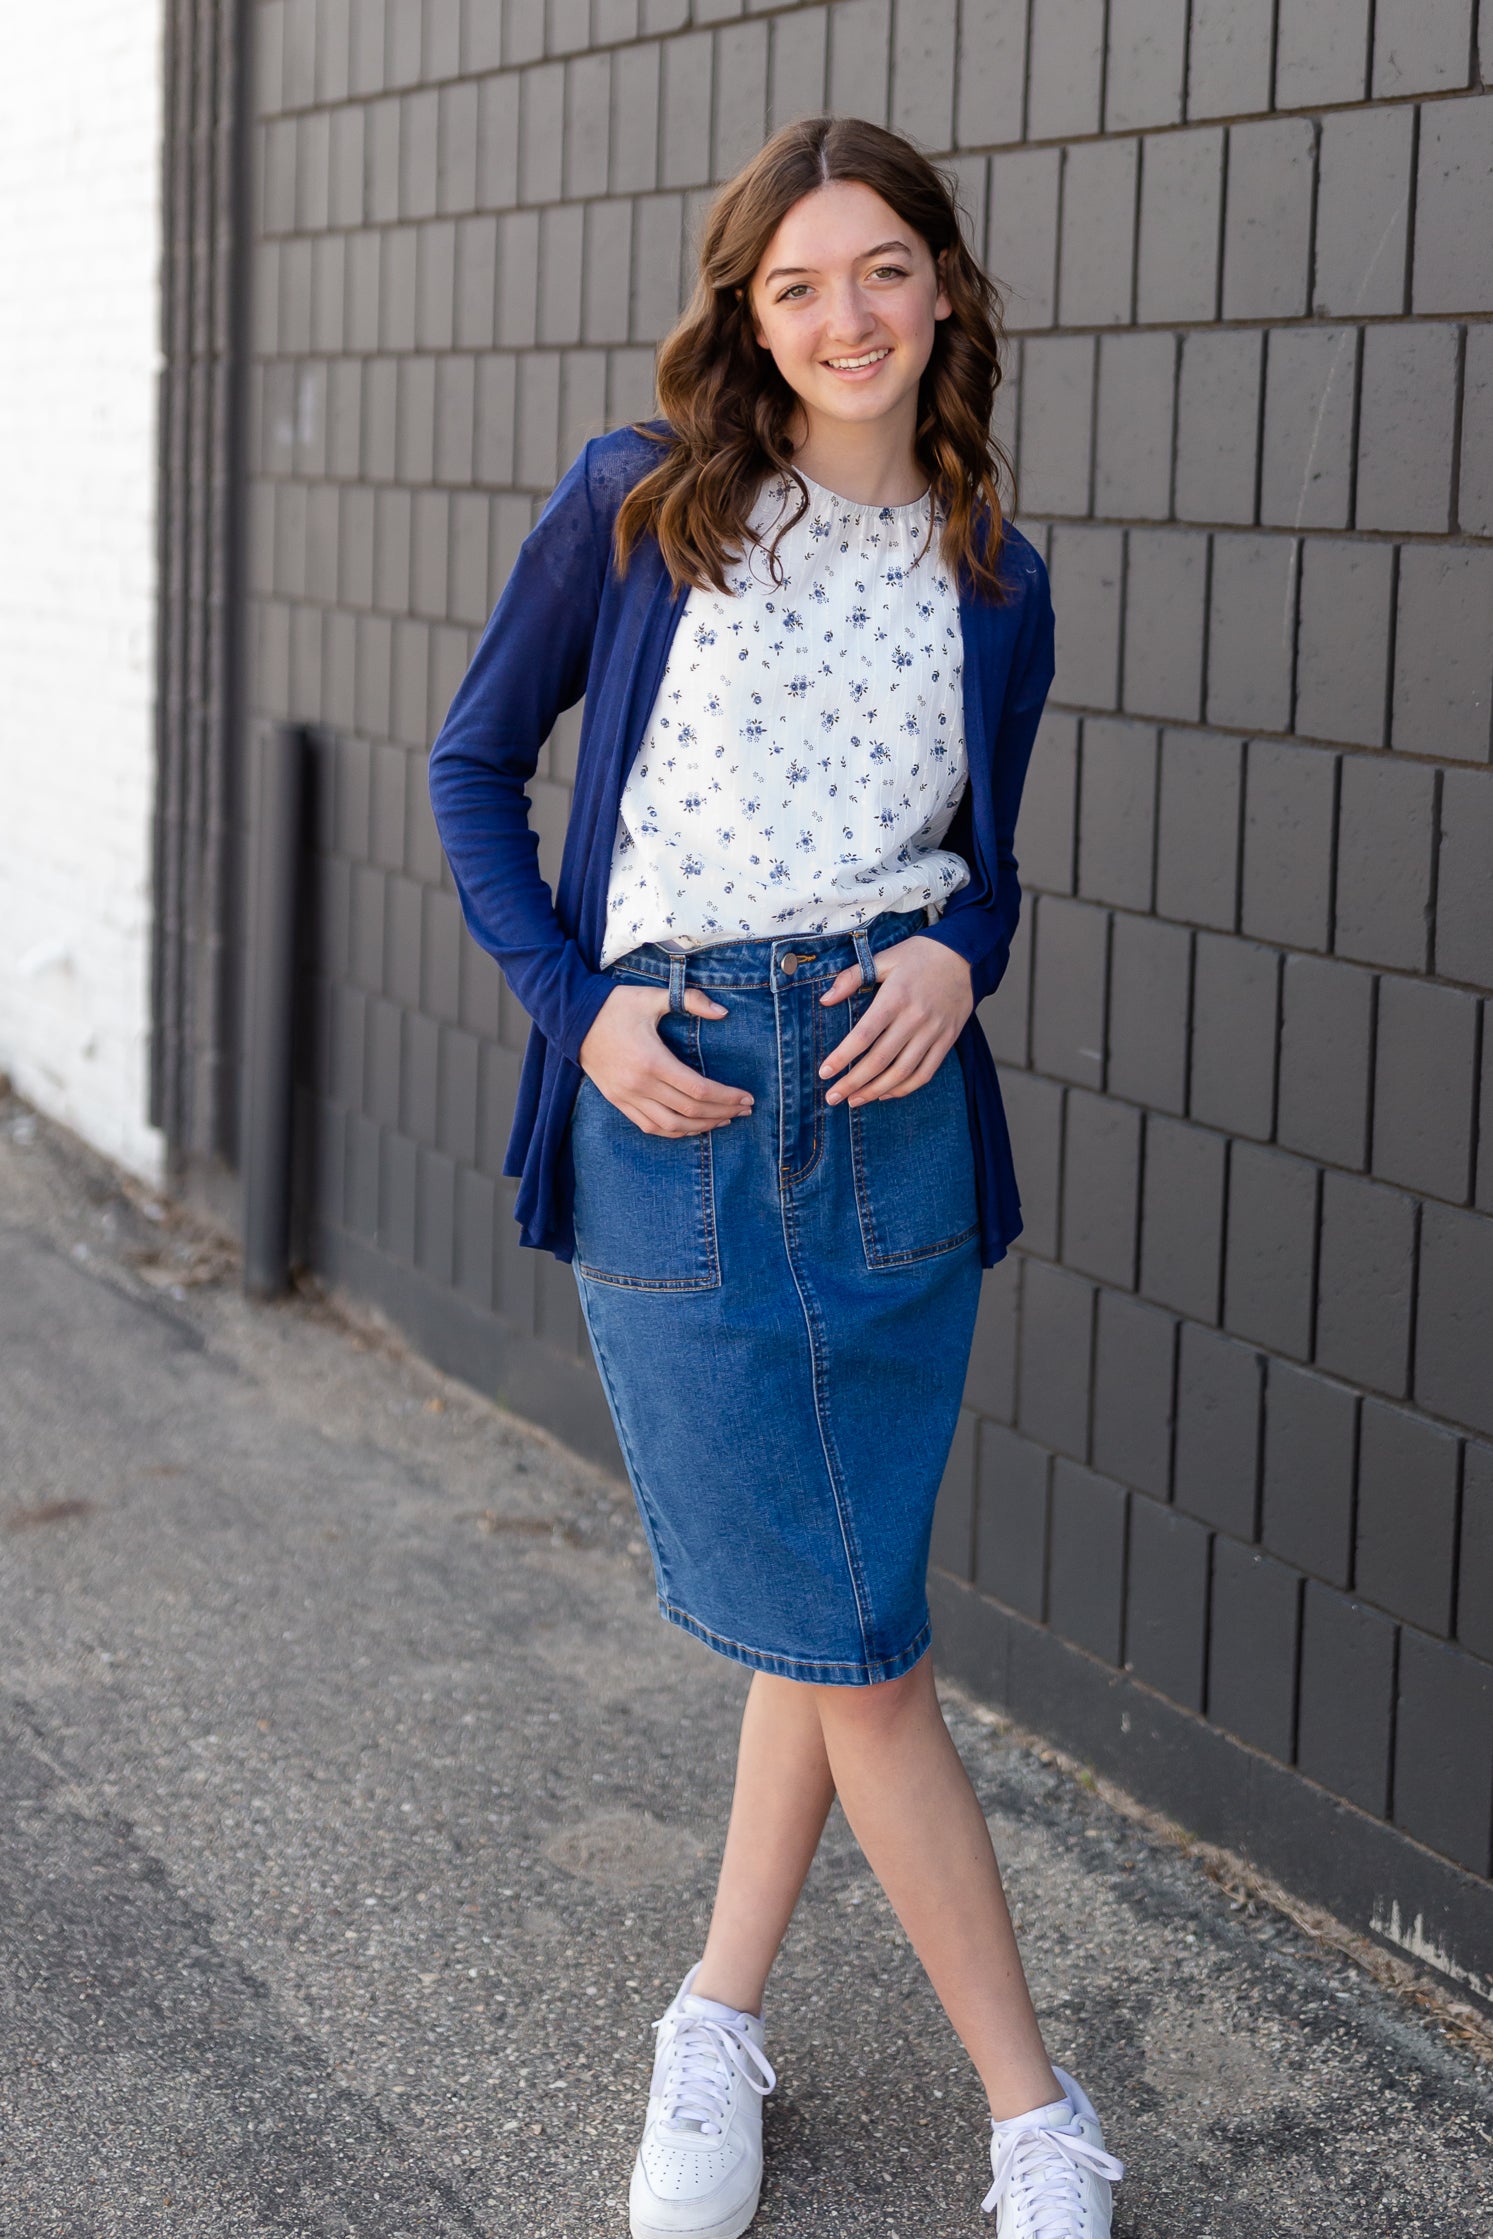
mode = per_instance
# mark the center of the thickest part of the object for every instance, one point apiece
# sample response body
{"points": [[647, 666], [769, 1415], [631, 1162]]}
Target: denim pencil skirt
{"points": [[781, 1310]]}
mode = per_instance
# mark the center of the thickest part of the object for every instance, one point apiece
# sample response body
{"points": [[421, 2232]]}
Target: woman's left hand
{"points": [[923, 997]]}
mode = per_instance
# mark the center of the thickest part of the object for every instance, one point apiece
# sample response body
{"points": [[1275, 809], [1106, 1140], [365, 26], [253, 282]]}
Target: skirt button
{"points": [[790, 963]]}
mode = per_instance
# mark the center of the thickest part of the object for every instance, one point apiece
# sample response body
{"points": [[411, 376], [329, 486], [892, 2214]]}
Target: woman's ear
{"points": [[942, 302]]}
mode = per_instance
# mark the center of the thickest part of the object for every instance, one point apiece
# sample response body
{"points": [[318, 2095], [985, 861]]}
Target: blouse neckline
{"points": [[863, 505]]}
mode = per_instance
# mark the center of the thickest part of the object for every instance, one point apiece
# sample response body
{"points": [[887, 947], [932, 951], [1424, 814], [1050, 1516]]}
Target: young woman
{"points": [[757, 1112]]}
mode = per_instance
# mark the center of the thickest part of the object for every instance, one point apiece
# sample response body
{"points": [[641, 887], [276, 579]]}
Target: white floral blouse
{"points": [[805, 751]]}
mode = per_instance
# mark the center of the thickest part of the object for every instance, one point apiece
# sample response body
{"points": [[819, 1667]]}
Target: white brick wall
{"points": [[80, 140]]}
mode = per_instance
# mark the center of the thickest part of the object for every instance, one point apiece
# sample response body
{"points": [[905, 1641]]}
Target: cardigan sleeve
{"points": [[979, 920], [530, 665]]}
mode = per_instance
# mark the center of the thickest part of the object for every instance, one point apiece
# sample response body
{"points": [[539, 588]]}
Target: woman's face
{"points": [[846, 299]]}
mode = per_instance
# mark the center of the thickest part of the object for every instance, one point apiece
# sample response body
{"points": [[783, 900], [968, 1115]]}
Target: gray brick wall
{"points": [[1230, 1414]]}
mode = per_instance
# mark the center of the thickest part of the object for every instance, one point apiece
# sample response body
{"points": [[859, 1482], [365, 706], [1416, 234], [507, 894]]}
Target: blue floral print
{"points": [[750, 811]]}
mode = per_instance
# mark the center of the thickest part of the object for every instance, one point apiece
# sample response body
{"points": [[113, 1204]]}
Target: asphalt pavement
{"points": [[358, 1815]]}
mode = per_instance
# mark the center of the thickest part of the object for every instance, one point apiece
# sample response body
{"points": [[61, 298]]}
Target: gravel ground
{"points": [[358, 1815]]}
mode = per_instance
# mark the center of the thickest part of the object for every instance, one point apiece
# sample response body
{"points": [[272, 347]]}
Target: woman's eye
{"points": [[881, 271]]}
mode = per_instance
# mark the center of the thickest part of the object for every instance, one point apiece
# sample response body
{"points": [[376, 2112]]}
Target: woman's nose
{"points": [[849, 315]]}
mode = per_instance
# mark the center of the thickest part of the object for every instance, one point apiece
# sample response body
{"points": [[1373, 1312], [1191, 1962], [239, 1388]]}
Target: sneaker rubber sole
{"points": [[731, 2227]]}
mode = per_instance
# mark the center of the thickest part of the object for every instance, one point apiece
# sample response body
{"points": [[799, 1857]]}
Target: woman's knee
{"points": [[879, 1707]]}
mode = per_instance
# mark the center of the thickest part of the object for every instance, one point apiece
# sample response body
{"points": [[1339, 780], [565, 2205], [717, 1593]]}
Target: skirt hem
{"points": [[820, 1674]]}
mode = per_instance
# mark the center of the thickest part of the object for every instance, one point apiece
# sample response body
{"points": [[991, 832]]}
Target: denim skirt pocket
{"points": [[914, 1166], [644, 1204]]}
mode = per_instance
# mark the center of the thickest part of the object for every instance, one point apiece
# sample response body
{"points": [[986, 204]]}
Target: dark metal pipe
{"points": [[269, 1054]]}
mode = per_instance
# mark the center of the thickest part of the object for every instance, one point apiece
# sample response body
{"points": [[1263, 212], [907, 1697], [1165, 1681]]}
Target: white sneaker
{"points": [[699, 2167], [1052, 2174]]}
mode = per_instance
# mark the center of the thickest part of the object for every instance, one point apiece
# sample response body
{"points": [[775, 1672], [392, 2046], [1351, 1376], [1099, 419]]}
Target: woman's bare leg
{"points": [[782, 1799], [903, 1787]]}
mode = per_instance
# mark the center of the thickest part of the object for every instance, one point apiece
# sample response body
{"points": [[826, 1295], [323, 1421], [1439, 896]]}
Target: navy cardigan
{"points": [[568, 625]]}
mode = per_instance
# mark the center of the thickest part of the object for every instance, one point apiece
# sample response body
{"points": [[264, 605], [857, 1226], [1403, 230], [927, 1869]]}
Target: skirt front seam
{"points": [[635, 1477], [816, 1371]]}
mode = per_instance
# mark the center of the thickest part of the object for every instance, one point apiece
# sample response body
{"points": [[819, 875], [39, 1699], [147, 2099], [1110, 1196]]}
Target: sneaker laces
{"points": [[700, 2055], [1038, 2171]]}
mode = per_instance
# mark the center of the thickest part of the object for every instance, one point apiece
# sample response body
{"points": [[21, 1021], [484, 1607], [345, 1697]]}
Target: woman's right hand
{"points": [[626, 1057]]}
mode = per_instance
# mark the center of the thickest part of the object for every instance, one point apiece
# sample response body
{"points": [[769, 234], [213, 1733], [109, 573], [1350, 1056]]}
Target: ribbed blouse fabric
{"points": [[805, 751]]}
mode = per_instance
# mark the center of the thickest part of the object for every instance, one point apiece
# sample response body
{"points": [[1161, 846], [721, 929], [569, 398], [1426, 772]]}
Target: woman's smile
{"points": [[859, 368]]}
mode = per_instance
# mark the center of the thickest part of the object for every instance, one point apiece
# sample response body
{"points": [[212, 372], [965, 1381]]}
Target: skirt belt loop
{"points": [[676, 985], [864, 957]]}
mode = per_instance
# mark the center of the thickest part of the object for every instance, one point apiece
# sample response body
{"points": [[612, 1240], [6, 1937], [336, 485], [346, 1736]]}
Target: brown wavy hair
{"points": [[729, 409]]}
